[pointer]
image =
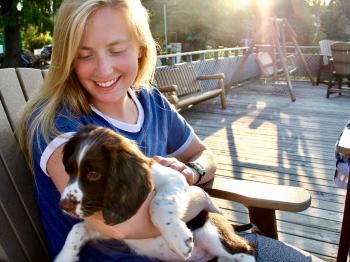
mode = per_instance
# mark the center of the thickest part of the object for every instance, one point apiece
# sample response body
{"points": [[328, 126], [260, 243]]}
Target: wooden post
{"points": [[282, 58], [301, 55], [344, 242], [216, 55], [265, 220]]}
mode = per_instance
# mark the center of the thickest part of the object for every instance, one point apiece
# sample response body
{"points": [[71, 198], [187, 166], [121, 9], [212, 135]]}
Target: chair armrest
{"points": [[211, 77], [170, 93], [261, 200], [260, 195], [343, 144], [167, 89]]}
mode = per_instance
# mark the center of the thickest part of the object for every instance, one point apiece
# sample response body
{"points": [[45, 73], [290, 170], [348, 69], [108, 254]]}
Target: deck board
{"points": [[263, 136]]}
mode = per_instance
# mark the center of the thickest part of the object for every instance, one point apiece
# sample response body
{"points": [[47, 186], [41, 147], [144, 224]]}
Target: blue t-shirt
{"points": [[159, 130]]}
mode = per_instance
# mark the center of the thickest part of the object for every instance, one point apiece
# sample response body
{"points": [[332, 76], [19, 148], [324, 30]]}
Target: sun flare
{"points": [[263, 5]]}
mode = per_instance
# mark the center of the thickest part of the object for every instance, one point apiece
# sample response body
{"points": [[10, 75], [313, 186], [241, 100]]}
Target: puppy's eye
{"points": [[93, 176]]}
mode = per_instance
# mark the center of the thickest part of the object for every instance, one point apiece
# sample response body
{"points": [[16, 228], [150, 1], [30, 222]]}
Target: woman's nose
{"points": [[104, 66]]}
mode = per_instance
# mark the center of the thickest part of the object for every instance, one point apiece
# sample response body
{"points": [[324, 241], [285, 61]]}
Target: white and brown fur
{"points": [[108, 173]]}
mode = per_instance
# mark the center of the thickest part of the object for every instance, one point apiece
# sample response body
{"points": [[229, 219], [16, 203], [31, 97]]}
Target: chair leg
{"points": [[265, 220], [329, 85], [223, 94], [319, 70], [340, 82]]}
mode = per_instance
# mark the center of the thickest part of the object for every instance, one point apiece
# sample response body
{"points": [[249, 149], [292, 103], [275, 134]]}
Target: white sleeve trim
{"points": [[51, 147], [184, 146]]}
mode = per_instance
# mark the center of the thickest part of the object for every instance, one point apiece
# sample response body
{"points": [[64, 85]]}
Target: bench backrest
{"points": [[184, 77], [21, 235]]}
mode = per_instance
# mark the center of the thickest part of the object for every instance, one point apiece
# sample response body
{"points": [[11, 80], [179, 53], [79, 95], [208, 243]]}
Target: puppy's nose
{"points": [[68, 204]]}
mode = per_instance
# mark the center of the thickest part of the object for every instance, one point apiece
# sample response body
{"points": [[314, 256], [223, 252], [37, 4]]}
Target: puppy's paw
{"points": [[66, 257], [180, 240], [239, 257]]}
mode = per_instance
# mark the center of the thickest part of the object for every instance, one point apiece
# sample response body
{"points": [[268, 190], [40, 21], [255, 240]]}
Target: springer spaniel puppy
{"points": [[108, 173]]}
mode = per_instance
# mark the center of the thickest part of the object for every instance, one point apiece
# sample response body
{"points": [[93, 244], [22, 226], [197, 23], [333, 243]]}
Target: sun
{"points": [[264, 7], [262, 4]]}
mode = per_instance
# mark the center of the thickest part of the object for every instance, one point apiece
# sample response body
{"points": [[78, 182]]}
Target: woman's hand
{"points": [[190, 175]]}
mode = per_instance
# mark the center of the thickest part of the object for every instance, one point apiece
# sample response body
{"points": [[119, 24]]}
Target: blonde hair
{"points": [[61, 86]]}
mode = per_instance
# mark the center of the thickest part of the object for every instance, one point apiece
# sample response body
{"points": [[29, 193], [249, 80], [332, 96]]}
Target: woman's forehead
{"points": [[107, 26]]}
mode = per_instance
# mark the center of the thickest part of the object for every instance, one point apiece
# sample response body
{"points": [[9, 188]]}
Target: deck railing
{"points": [[201, 58], [189, 57]]}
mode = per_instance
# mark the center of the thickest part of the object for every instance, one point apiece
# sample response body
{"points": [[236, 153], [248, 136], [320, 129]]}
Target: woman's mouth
{"points": [[107, 84]]}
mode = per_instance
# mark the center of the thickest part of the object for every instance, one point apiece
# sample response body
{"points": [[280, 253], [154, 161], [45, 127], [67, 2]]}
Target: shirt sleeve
{"points": [[179, 133], [67, 125]]}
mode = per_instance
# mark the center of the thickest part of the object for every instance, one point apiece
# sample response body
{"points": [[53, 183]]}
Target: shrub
{"points": [[32, 39]]}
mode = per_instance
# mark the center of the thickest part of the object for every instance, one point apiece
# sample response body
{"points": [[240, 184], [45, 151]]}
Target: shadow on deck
{"points": [[263, 136]]}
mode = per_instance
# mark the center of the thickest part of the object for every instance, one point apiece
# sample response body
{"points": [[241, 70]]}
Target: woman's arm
{"points": [[196, 152], [138, 226]]}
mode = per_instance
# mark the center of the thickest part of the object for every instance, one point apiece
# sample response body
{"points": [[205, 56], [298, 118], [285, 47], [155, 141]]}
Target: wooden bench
{"points": [[21, 235], [181, 86]]}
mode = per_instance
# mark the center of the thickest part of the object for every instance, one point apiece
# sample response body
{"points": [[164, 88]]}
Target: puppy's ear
{"points": [[128, 185], [68, 155], [70, 148]]}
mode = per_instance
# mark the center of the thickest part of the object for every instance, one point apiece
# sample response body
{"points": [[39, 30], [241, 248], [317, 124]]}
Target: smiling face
{"points": [[107, 62]]}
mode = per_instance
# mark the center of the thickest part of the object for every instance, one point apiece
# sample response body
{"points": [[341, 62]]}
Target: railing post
{"points": [[216, 55], [189, 58]]}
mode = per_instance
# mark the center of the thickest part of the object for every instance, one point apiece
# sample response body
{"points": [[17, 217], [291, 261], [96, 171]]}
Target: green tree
{"points": [[335, 21], [200, 23], [17, 15]]}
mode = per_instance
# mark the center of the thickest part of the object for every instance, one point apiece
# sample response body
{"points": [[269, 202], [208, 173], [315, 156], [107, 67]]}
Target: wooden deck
{"points": [[263, 136]]}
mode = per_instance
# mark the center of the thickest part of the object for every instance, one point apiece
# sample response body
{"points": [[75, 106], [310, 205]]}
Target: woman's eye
{"points": [[93, 176], [84, 57], [117, 52]]}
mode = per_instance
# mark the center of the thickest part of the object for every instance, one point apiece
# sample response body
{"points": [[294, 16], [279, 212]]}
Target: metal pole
{"points": [[165, 30]]}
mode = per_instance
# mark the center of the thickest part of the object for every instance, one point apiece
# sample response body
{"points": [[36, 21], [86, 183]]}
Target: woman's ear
{"points": [[141, 51], [128, 186]]}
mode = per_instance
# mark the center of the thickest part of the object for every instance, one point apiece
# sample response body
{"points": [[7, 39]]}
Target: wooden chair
{"points": [[341, 68], [21, 236], [31, 80], [343, 147], [324, 60]]}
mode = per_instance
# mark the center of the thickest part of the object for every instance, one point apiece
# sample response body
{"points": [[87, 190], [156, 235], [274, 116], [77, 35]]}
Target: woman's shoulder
{"points": [[151, 92], [152, 96]]}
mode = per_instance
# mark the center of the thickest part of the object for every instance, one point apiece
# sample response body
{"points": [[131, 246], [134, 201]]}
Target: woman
{"points": [[102, 63]]}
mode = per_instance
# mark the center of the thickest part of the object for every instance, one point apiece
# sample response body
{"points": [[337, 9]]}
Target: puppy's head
{"points": [[107, 172]]}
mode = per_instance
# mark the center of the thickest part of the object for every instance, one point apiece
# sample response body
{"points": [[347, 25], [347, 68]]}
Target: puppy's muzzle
{"points": [[69, 205]]}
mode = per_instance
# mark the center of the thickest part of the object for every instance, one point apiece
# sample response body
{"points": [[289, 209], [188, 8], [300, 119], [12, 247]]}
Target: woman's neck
{"points": [[125, 110]]}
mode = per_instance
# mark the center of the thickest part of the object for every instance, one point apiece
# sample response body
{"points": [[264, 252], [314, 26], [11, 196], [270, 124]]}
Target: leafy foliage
{"points": [[336, 20], [32, 39], [202, 23]]}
